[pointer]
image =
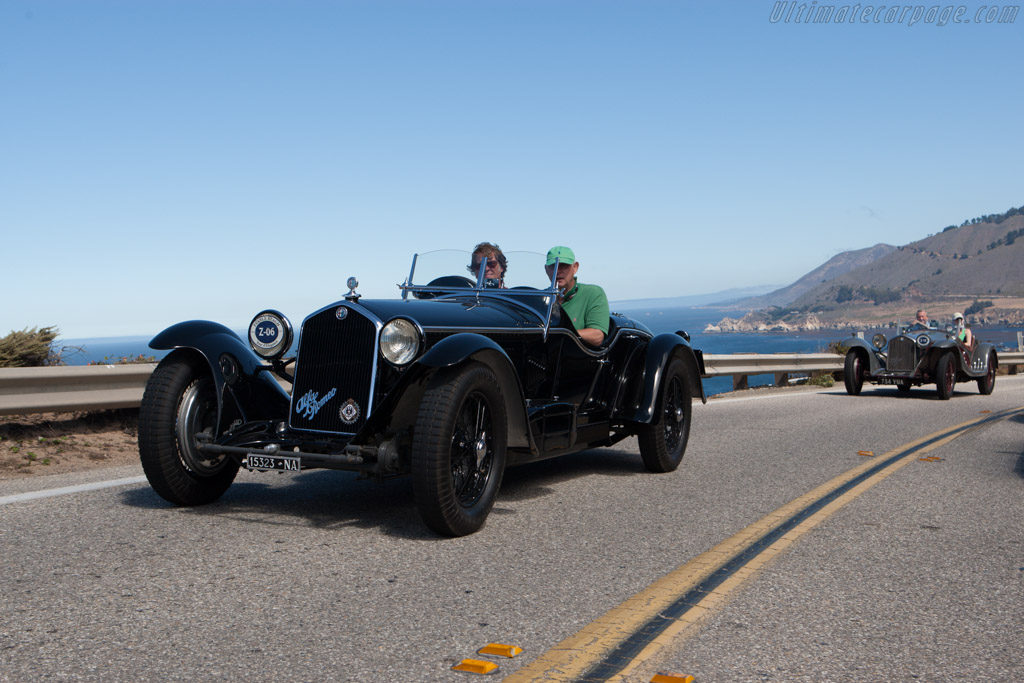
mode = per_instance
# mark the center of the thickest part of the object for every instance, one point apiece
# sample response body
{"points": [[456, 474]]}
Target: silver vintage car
{"points": [[918, 355]]}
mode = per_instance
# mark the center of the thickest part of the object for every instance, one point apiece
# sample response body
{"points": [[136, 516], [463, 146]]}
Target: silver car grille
{"points": [[902, 355]]}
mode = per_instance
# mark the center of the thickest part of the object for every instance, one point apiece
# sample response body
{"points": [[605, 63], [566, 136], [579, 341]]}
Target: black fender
{"points": [[869, 351], [659, 351], [449, 352], [246, 389], [939, 349]]}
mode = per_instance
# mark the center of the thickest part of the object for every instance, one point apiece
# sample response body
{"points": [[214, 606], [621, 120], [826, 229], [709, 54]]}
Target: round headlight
{"points": [[878, 341], [399, 341], [270, 335], [924, 340]]}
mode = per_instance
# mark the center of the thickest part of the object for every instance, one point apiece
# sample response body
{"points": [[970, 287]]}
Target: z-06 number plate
{"points": [[277, 463]]}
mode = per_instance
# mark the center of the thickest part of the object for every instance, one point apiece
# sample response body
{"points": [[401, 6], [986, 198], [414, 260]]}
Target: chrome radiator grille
{"points": [[902, 355], [334, 372]]}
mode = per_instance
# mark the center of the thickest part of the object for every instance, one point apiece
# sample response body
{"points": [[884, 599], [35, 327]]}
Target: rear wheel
{"points": [[663, 442], [945, 376], [458, 449], [853, 373], [987, 383], [180, 402]]}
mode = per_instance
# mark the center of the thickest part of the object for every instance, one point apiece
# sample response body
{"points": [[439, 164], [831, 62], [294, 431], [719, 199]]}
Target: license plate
{"points": [[275, 463]]}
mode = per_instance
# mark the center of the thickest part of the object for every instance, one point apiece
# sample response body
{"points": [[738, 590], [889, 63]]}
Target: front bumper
{"points": [[274, 438]]}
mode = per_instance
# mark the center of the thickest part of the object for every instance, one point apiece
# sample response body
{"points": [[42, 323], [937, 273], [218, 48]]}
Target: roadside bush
{"points": [[822, 380], [29, 348], [123, 360]]}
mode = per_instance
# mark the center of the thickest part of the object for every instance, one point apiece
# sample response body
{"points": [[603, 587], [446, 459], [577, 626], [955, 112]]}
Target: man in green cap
{"points": [[586, 305]]}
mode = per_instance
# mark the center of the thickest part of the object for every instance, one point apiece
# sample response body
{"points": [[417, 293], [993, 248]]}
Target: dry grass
{"points": [[55, 443]]}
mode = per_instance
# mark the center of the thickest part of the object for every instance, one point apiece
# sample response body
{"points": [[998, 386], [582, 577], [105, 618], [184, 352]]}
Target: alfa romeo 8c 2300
{"points": [[450, 382]]}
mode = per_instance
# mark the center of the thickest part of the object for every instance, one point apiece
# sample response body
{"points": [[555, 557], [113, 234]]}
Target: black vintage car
{"points": [[450, 383], [918, 355]]}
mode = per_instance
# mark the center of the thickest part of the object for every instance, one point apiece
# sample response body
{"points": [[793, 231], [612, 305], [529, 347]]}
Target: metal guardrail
{"points": [[96, 387], [782, 365], [71, 388]]}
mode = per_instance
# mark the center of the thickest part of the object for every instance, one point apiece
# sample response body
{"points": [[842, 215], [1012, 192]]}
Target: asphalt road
{"points": [[322, 576]]}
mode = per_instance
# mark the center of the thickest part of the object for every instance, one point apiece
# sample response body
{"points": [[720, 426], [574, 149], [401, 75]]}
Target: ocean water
{"points": [[694, 320], [691, 320], [105, 350]]}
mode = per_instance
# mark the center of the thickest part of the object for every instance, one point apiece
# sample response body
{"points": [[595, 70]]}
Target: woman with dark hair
{"points": [[494, 271]]}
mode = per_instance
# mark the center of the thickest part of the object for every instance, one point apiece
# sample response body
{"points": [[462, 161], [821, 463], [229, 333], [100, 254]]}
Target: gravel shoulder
{"points": [[59, 443]]}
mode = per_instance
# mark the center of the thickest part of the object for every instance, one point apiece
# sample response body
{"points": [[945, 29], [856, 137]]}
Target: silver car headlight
{"points": [[270, 335], [878, 341], [400, 341]]}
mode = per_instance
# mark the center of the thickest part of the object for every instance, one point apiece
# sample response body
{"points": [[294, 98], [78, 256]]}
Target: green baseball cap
{"points": [[560, 254]]}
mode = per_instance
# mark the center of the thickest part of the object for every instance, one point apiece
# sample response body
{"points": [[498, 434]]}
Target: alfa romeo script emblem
{"points": [[311, 403], [349, 411]]}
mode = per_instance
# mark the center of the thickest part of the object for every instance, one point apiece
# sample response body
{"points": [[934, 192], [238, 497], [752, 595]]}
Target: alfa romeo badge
{"points": [[349, 411]]}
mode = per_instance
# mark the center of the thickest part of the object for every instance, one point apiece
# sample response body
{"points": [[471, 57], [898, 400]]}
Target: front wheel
{"points": [[987, 383], [853, 373], [180, 402], [945, 376], [663, 442], [458, 449]]}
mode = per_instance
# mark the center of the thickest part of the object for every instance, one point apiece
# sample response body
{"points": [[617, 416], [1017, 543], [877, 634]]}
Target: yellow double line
{"points": [[619, 642]]}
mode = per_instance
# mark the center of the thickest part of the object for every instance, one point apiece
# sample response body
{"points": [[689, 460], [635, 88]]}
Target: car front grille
{"points": [[902, 355], [334, 372]]}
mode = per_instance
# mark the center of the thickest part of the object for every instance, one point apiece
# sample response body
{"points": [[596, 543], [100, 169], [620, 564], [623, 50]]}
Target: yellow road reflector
{"points": [[867, 453], [671, 678], [931, 458], [475, 666], [499, 650], [985, 412]]}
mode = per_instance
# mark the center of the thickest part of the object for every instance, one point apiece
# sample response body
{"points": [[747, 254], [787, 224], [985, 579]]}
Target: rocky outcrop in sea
{"points": [[758, 322]]}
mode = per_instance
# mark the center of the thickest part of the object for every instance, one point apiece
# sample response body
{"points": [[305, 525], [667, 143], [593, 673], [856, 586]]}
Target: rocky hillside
{"points": [[977, 267], [840, 264], [985, 259]]}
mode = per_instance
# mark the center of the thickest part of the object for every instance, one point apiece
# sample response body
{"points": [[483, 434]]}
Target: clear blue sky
{"points": [[168, 160]]}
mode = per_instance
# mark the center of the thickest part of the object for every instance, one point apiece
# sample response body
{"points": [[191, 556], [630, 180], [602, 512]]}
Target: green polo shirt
{"points": [[587, 306]]}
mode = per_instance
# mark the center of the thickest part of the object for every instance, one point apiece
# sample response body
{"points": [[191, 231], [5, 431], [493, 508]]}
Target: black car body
{"points": [[918, 355], [450, 383]]}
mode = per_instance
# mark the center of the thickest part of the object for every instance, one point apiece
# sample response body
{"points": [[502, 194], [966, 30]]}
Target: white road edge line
{"points": [[65, 490], [780, 394]]}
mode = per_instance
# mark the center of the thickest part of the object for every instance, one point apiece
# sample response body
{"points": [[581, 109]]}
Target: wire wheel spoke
{"points": [[673, 417], [472, 450]]}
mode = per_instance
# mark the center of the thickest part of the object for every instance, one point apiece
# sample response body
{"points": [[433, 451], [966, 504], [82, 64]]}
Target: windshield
{"points": [[453, 269]]}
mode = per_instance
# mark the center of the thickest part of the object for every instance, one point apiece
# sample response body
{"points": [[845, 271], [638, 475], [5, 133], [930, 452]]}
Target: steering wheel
{"points": [[444, 282]]}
